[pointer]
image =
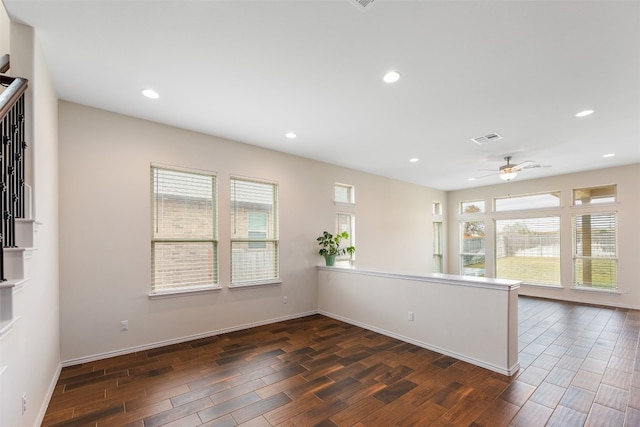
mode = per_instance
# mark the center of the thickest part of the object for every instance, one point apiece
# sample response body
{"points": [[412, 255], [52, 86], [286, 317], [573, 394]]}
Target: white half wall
{"points": [[471, 319]]}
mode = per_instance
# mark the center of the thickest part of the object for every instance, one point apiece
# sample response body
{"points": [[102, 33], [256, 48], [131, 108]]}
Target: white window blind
{"points": [[254, 232], [528, 249], [595, 250], [183, 245]]}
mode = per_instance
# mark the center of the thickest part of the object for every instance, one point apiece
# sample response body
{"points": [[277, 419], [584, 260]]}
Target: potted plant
{"points": [[330, 246]]}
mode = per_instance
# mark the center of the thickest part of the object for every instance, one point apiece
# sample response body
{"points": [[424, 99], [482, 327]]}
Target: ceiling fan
{"points": [[509, 171]]}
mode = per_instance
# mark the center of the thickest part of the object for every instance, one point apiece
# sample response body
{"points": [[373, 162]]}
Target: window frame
{"points": [[554, 193], [350, 192], [483, 246], [178, 290], [518, 216], [583, 210], [438, 247], [273, 228], [346, 259]]}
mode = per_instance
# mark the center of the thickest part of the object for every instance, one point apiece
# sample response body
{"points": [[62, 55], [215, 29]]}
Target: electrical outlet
{"points": [[410, 316], [24, 403], [124, 325], [285, 299], [627, 290]]}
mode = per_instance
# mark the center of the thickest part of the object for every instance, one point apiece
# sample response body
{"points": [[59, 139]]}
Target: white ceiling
{"points": [[251, 71]]}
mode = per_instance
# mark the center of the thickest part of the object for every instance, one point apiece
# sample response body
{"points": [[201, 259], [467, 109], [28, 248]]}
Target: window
{"points": [[257, 230], [437, 209], [594, 195], [344, 193], [254, 232], [595, 250], [472, 207], [528, 249], [472, 248], [528, 201], [184, 249], [346, 222], [438, 251]]}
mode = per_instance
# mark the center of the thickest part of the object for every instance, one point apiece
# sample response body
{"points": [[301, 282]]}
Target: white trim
{"points": [[158, 344], [596, 290], [8, 327], [508, 372], [449, 279], [271, 282], [175, 293], [48, 396]]}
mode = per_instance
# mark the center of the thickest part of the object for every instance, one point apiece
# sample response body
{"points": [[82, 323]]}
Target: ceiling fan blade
{"points": [[524, 165], [537, 165], [484, 176]]}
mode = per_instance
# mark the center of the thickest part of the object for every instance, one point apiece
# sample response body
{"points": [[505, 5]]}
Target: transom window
{"points": [[594, 195], [344, 193], [476, 206], [527, 201]]}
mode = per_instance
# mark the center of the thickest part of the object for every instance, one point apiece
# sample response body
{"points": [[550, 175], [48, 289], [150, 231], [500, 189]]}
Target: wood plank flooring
{"points": [[579, 366]]}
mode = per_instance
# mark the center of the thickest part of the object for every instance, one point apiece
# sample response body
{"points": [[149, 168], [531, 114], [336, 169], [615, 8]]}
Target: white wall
{"points": [[31, 349], [627, 179], [4, 31], [105, 231], [472, 320]]}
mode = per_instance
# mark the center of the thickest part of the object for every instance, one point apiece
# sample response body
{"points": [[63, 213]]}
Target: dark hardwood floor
{"points": [[579, 366]]}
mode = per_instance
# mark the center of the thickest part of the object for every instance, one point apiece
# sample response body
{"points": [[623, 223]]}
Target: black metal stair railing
{"points": [[12, 159]]}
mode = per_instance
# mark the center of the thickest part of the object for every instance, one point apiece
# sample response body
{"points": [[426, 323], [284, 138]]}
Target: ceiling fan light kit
{"points": [[508, 175]]}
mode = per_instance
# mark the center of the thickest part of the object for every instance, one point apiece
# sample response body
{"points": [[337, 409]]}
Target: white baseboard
{"points": [[508, 372], [158, 344], [47, 398]]}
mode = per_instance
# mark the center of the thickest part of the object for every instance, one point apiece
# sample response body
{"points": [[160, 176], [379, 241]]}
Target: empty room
{"points": [[320, 212]]}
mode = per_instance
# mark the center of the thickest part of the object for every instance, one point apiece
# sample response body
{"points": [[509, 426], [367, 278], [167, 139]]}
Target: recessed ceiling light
{"points": [[290, 135], [391, 77], [414, 160], [584, 113], [471, 179], [609, 155], [150, 93]]}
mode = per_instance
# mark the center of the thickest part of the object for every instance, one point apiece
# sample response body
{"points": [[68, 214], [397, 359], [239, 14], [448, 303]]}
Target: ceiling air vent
{"points": [[362, 4], [486, 138]]}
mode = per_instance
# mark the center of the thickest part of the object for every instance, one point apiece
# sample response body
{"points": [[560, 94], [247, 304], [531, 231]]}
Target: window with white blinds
{"points": [[528, 249], [183, 245], [595, 256], [254, 232]]}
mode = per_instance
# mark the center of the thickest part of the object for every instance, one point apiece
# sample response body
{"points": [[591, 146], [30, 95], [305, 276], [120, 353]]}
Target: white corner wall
{"points": [[627, 179], [105, 231], [30, 351]]}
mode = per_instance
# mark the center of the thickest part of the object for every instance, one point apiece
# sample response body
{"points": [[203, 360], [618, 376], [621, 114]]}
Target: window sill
{"points": [[596, 290], [345, 204], [272, 282], [541, 285], [184, 292]]}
